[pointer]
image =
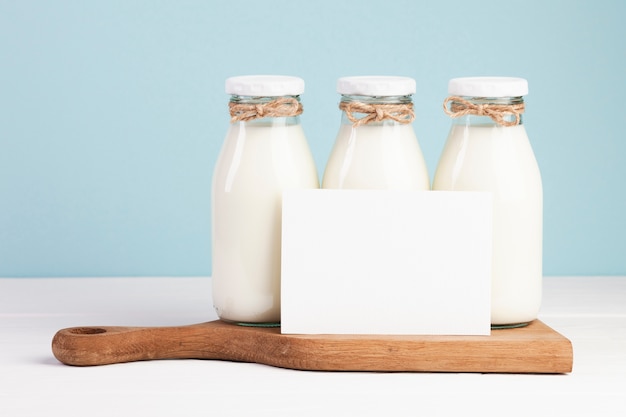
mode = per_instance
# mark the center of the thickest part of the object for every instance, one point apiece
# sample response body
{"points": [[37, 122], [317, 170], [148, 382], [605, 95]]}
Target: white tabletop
{"points": [[590, 311]]}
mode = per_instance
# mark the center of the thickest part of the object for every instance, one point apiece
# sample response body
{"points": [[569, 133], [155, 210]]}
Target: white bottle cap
{"points": [[264, 85], [377, 86], [488, 87]]}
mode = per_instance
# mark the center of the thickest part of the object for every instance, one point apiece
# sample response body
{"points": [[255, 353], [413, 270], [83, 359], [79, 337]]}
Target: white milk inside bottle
{"points": [[488, 150], [376, 146], [264, 153]]}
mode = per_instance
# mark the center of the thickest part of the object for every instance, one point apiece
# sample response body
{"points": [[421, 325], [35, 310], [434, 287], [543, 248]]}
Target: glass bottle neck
{"points": [[376, 99], [266, 120], [484, 120], [372, 100]]}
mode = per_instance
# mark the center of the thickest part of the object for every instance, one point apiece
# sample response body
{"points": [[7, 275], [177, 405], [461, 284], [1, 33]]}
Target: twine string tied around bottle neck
{"points": [[498, 112], [377, 112], [280, 107]]}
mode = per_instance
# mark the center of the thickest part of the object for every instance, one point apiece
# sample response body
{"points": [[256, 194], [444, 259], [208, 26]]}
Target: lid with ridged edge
{"points": [[376, 86], [488, 87], [265, 85]]}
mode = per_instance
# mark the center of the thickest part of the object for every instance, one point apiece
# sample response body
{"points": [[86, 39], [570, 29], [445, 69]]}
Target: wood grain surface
{"points": [[535, 348]]}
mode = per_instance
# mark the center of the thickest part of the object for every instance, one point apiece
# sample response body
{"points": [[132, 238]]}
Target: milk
{"points": [[382, 155], [258, 161], [501, 160]]}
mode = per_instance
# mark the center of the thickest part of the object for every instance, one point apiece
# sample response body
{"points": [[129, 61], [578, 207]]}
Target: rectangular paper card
{"points": [[386, 262]]}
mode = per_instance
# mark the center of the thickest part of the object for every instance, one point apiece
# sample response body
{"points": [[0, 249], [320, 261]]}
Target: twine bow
{"points": [[498, 112], [281, 107], [401, 113]]}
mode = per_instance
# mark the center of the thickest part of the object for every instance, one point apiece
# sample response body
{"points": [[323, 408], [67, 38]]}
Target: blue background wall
{"points": [[112, 114]]}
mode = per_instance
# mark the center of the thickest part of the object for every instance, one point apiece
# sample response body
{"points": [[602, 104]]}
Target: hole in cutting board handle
{"points": [[87, 330]]}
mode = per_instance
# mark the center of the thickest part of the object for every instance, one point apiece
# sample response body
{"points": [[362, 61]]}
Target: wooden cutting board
{"points": [[535, 348]]}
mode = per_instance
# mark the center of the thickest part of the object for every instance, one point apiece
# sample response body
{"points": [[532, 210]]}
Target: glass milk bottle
{"points": [[488, 150], [376, 147], [264, 153]]}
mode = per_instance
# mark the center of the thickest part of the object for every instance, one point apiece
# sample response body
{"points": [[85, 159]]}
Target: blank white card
{"points": [[386, 262]]}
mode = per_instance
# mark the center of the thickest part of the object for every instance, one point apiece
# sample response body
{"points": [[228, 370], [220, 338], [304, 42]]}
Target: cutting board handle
{"points": [[86, 346]]}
